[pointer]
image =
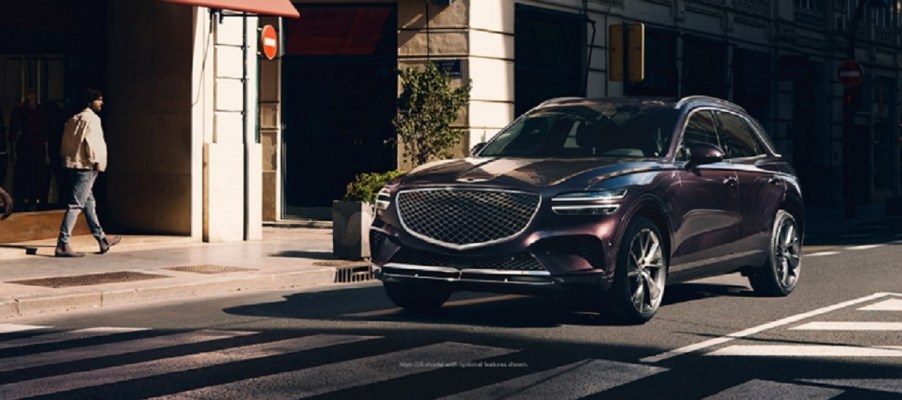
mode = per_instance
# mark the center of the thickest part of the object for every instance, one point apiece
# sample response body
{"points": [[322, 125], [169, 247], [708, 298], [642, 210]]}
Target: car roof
{"points": [[685, 103]]}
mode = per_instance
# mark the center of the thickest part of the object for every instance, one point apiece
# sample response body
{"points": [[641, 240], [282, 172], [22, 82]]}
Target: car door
{"points": [[704, 201], [760, 185]]}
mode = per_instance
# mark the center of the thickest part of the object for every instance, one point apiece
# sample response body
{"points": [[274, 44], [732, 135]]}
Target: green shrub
{"points": [[366, 186]]}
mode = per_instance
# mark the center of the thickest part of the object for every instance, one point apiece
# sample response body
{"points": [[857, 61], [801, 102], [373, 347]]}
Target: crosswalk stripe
{"points": [[572, 381], [66, 336], [819, 351], [886, 305], [877, 385], [822, 253], [13, 328], [104, 350], [849, 326], [122, 373], [758, 389], [347, 374]]}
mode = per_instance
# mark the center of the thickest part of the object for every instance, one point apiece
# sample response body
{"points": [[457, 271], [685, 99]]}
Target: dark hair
{"points": [[91, 94]]}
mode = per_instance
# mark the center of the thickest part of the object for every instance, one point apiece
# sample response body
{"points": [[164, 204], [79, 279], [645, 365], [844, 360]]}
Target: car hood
{"points": [[518, 172]]}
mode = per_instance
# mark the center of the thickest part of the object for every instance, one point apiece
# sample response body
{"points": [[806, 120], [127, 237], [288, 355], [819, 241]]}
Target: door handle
{"points": [[731, 181]]}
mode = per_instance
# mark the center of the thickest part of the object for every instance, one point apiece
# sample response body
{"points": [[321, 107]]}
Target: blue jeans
{"points": [[81, 197]]}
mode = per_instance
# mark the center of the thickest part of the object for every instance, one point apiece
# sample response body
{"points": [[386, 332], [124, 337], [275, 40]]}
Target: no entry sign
{"points": [[269, 42], [850, 73]]}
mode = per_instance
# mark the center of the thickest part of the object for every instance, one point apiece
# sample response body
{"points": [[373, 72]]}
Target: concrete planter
{"points": [[351, 222]]}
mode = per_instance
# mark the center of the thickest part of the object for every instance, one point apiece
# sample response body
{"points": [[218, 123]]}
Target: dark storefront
{"points": [[339, 90]]}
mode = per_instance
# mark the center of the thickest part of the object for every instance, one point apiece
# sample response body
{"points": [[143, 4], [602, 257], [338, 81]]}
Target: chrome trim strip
{"points": [[455, 271], [469, 245]]}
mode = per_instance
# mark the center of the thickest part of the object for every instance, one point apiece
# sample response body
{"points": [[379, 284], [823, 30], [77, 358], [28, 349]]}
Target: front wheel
{"points": [[417, 296], [641, 273], [780, 272]]}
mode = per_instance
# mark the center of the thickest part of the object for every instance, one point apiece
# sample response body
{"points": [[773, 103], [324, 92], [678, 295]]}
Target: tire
{"points": [[417, 296], [641, 273], [780, 272]]}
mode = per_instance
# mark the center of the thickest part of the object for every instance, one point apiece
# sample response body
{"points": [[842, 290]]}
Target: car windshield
{"points": [[625, 130]]}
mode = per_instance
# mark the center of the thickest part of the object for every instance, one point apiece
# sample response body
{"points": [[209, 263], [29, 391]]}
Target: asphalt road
{"points": [[839, 335]]}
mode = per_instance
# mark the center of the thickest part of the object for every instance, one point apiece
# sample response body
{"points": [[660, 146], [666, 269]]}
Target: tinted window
{"points": [[739, 139], [640, 130], [699, 130]]}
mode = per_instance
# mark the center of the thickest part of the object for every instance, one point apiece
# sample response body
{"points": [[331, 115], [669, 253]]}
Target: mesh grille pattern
{"points": [[462, 217], [377, 239], [515, 262]]}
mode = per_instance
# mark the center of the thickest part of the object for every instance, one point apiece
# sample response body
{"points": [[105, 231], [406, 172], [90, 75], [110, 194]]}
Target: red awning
{"points": [[278, 8]]}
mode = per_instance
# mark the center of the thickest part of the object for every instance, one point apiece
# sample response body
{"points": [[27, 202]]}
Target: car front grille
{"points": [[515, 262], [465, 218]]}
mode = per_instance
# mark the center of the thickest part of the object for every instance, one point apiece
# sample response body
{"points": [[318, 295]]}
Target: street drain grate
{"points": [[209, 269], [88, 280], [353, 273]]}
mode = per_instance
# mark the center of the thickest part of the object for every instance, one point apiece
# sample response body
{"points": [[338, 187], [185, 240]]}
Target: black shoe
{"points": [[64, 250], [108, 242]]}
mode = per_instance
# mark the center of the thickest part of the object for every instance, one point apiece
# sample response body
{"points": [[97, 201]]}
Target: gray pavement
{"points": [[293, 254], [153, 268]]}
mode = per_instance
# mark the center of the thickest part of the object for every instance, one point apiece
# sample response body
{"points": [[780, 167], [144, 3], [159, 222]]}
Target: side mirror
{"points": [[700, 154], [476, 149]]}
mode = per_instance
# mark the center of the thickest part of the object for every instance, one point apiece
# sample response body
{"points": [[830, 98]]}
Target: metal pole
{"points": [[626, 55], [850, 108]]}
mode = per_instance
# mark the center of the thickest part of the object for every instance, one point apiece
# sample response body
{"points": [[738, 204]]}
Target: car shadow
{"points": [[464, 308]]}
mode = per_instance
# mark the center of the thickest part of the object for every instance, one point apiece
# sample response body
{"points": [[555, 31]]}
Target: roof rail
{"points": [[559, 100], [706, 99]]}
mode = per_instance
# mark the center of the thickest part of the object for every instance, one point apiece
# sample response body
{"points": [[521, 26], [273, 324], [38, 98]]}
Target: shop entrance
{"points": [[339, 95]]}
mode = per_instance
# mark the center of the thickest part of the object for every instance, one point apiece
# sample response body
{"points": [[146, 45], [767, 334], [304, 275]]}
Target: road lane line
{"points": [[864, 247], [877, 385], [114, 349], [572, 381], [850, 326], [347, 374], [13, 328], [821, 253], [758, 389], [888, 305], [818, 351], [760, 328], [67, 336], [124, 373]]}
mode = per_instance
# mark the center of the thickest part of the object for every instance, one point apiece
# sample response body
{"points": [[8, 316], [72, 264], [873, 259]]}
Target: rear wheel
{"points": [[780, 272], [417, 296], [641, 273]]}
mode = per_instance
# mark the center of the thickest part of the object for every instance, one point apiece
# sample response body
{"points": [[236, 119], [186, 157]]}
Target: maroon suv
{"points": [[609, 199]]}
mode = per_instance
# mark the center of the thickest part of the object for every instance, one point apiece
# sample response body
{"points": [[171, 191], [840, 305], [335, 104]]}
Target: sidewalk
{"points": [[153, 268]]}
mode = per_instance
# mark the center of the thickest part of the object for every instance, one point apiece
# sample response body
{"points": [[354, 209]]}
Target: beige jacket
{"points": [[83, 146]]}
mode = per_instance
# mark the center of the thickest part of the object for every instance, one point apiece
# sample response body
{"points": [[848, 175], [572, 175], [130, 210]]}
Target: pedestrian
{"points": [[84, 154], [6, 204]]}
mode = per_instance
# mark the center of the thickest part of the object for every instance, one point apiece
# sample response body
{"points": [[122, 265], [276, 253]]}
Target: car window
{"points": [[639, 130], [699, 130], [739, 139]]}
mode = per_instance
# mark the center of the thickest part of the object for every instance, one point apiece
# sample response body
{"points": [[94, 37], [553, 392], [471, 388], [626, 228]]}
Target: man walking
{"points": [[83, 153]]}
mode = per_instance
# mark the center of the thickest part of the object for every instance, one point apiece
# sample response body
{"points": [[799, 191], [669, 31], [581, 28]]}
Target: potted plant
{"points": [[353, 214], [428, 106]]}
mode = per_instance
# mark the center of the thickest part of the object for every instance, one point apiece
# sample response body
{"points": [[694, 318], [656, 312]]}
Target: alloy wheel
{"points": [[646, 271]]}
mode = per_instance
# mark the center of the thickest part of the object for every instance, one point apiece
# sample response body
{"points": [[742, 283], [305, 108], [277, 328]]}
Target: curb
{"points": [[94, 299]]}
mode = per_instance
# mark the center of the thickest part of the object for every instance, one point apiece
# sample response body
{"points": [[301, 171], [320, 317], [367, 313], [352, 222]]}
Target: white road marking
{"points": [[766, 390], [822, 253], [113, 349], [864, 247], [850, 326], [123, 373], [344, 375], [818, 351], [878, 385], [13, 328], [67, 336], [761, 328], [887, 305], [573, 381]]}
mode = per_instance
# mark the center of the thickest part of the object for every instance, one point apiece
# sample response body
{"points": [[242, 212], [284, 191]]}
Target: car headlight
{"points": [[383, 199], [596, 202]]}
